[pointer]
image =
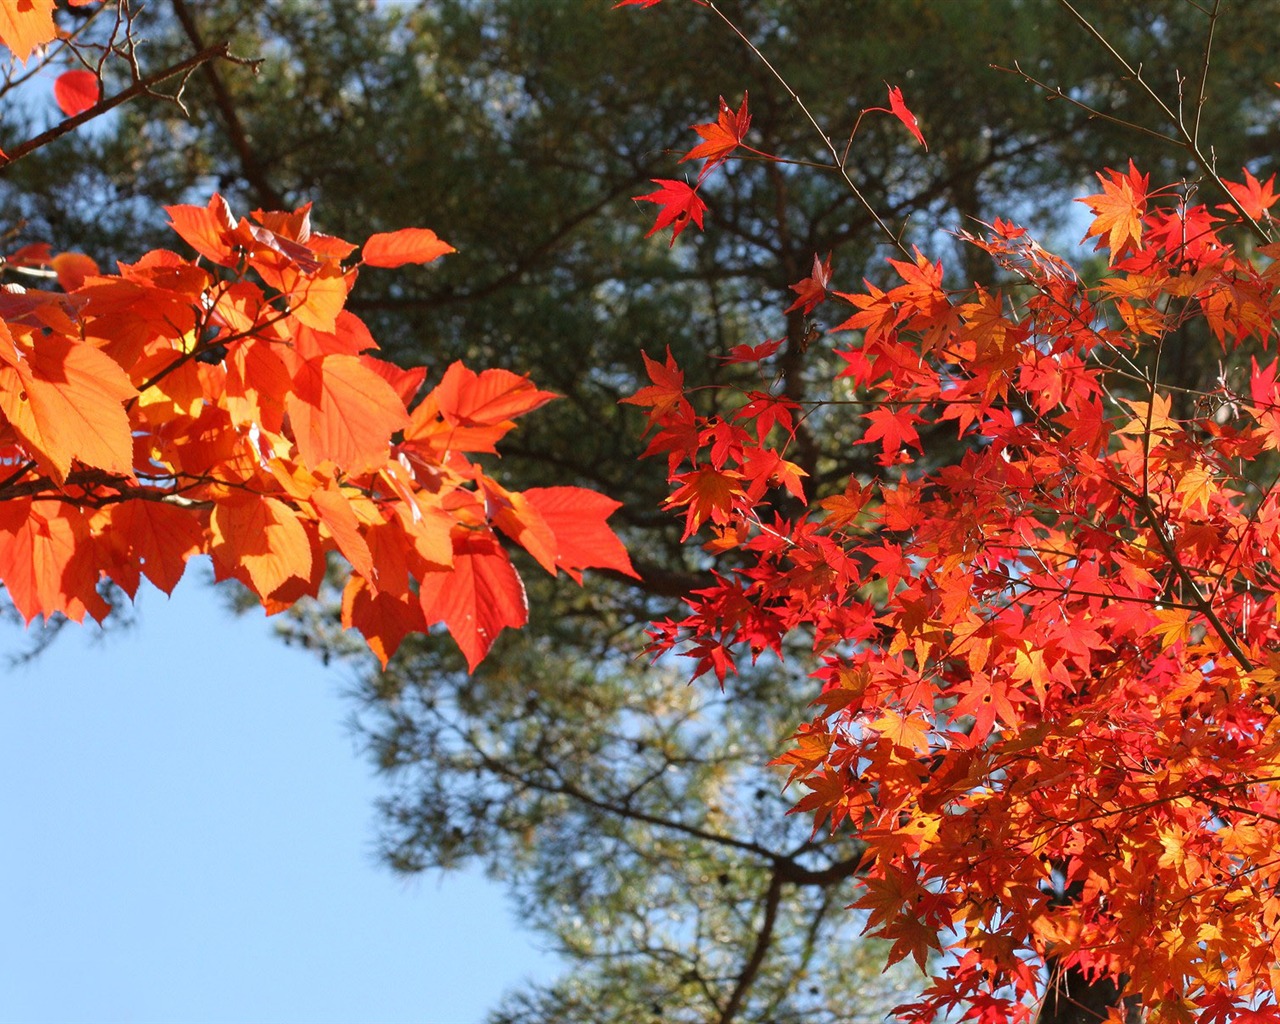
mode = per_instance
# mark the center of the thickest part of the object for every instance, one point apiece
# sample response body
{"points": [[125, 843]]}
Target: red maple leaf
{"points": [[813, 289], [667, 390], [720, 137], [680, 205], [1254, 198]]}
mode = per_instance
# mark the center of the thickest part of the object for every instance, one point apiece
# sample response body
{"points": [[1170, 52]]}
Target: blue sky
{"points": [[189, 838]]}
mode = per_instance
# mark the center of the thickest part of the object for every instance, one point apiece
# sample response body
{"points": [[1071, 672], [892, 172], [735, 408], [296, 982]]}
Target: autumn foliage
{"points": [[1050, 661], [230, 405]]}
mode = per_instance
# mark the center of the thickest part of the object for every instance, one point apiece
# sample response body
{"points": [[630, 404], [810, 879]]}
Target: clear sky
{"points": [[189, 837]]}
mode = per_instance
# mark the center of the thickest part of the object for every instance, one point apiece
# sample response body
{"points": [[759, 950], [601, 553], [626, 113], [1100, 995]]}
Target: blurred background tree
{"points": [[631, 815]]}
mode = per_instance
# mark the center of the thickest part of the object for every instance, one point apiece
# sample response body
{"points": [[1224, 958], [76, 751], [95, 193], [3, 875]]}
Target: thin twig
{"points": [[221, 51], [826, 139]]}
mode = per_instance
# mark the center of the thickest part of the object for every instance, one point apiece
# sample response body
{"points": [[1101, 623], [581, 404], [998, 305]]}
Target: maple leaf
{"points": [[813, 289], [844, 509], [907, 731], [720, 137], [752, 353], [898, 108], [679, 204], [709, 493], [1173, 625], [76, 91], [666, 393], [1150, 416], [1254, 198], [892, 428], [1119, 209], [408, 245]]}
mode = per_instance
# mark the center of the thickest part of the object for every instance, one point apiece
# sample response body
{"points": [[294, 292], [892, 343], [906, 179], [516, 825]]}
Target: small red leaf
{"points": [[76, 91], [813, 289], [720, 137], [680, 205], [899, 109]]}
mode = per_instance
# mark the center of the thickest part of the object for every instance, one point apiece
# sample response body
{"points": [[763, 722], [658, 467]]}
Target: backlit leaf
{"points": [[408, 245]]}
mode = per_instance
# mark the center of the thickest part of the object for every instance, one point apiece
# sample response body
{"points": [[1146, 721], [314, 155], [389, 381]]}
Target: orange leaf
{"points": [[520, 520], [65, 400], [25, 25], [478, 599], [709, 493], [339, 518], [343, 412], [408, 245], [384, 619], [72, 268], [47, 560], [577, 518], [156, 538], [259, 541], [489, 397], [76, 91], [316, 299], [1119, 209], [207, 229]]}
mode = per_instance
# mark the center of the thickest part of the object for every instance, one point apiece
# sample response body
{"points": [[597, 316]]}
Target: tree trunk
{"points": [[1071, 997]]}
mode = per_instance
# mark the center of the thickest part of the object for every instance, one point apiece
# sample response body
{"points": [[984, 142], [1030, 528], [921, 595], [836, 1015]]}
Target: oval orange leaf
{"points": [[408, 245]]}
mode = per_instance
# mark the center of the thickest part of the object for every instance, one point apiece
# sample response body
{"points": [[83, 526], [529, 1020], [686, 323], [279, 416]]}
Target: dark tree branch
{"points": [[764, 938], [254, 172], [139, 87]]}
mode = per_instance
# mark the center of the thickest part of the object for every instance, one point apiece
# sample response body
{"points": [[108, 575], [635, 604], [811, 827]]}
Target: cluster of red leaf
{"points": [[679, 201], [232, 406], [1050, 669]]}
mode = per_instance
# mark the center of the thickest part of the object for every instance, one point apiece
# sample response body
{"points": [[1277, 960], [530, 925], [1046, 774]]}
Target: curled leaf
{"points": [[898, 108]]}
